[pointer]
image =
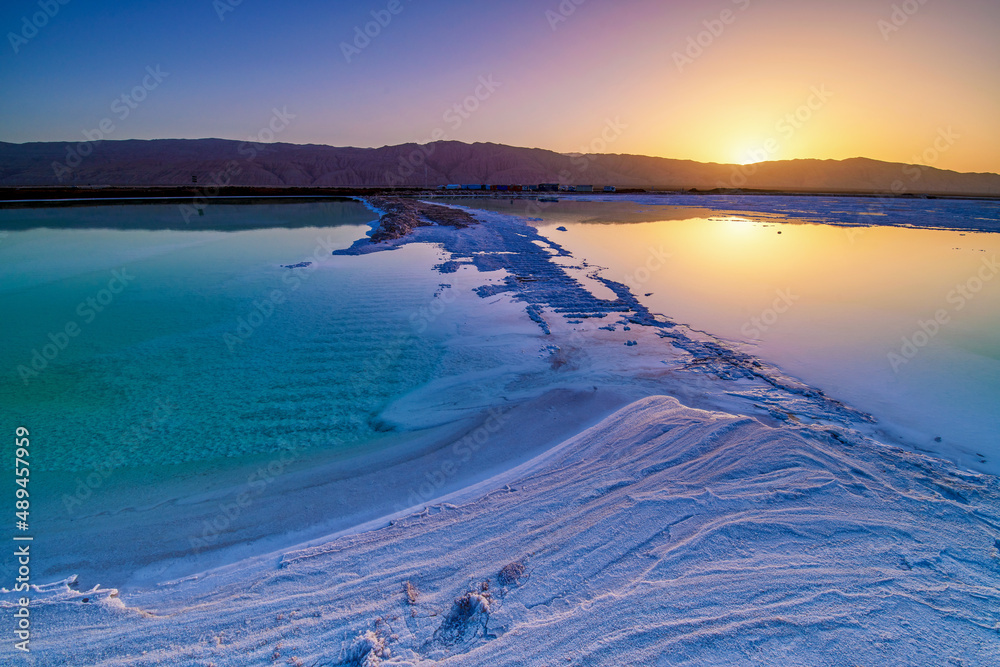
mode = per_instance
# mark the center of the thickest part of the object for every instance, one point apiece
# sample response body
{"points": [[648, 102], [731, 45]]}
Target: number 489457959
{"points": [[21, 470]]}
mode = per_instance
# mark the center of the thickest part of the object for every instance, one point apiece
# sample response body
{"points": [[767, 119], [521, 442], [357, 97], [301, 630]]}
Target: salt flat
{"points": [[672, 501], [663, 535]]}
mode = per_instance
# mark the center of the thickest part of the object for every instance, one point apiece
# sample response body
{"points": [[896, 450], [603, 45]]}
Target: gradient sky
{"points": [[885, 95]]}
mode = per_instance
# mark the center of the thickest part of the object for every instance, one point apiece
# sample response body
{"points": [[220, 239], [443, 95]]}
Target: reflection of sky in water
{"points": [[855, 293], [246, 352], [827, 304]]}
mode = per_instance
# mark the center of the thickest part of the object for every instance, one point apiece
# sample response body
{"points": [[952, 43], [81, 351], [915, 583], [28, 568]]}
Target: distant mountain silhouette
{"points": [[179, 161]]}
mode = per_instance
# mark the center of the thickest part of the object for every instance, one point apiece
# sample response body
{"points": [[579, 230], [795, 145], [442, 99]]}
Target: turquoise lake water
{"points": [[134, 339], [130, 343]]}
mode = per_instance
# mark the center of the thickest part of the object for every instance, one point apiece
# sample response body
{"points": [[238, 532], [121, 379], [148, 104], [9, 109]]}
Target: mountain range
{"points": [[226, 162]]}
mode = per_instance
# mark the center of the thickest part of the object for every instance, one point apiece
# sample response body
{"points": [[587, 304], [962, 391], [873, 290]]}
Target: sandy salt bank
{"points": [[742, 519]]}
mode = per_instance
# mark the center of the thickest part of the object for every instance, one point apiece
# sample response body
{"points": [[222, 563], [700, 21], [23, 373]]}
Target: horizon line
{"points": [[494, 143]]}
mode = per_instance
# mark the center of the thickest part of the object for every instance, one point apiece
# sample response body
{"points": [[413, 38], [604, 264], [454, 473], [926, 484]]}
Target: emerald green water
{"points": [[199, 344]]}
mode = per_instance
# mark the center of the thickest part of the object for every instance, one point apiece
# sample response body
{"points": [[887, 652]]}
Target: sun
{"points": [[750, 155]]}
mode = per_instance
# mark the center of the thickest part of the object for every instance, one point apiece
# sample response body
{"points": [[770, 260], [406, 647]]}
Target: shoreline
{"points": [[742, 501], [659, 529], [181, 527], [41, 196]]}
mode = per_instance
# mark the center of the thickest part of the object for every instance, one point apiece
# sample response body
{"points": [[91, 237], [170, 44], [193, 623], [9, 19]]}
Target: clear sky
{"points": [[770, 79]]}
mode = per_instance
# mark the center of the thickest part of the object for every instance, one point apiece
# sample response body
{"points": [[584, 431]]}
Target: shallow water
{"points": [[202, 347], [141, 346], [213, 349], [784, 513], [903, 323]]}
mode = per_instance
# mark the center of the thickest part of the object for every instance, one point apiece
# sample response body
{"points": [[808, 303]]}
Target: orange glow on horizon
{"points": [[782, 81]]}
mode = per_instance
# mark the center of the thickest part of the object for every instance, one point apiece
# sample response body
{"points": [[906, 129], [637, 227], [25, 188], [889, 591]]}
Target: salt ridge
{"points": [[663, 535]]}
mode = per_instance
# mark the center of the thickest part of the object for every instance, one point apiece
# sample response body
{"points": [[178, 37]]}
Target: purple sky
{"points": [[725, 81]]}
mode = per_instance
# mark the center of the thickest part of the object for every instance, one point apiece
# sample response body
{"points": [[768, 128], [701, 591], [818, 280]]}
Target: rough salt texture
{"points": [[664, 535], [549, 290], [399, 217]]}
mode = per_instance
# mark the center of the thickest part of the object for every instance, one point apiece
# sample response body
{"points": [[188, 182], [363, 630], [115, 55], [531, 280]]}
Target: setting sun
{"points": [[746, 156], [591, 332]]}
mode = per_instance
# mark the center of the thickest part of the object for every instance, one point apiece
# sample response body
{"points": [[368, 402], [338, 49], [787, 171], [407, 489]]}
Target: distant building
{"points": [[610, 188], [584, 188]]}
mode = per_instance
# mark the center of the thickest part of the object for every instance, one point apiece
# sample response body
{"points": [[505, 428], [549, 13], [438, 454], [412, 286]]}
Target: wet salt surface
{"points": [[845, 308], [705, 536]]}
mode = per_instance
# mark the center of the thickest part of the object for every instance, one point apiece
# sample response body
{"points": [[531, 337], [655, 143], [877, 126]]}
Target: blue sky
{"points": [[562, 71]]}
